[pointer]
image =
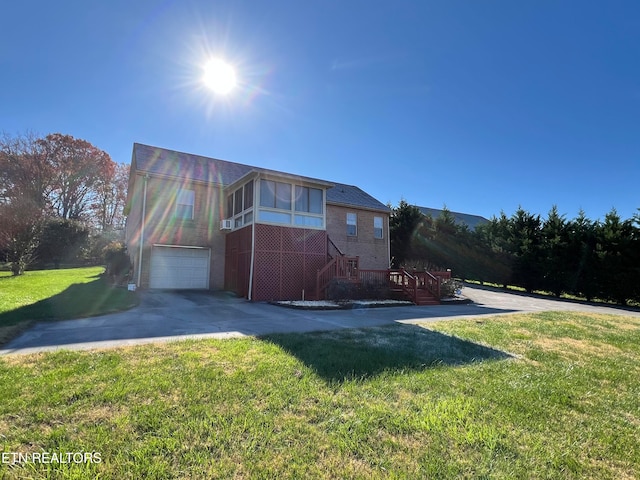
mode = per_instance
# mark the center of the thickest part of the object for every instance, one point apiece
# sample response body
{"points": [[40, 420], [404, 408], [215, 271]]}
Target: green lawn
{"points": [[549, 395], [57, 295]]}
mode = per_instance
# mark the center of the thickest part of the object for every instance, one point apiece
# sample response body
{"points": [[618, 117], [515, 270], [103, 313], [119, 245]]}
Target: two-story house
{"points": [[201, 223]]}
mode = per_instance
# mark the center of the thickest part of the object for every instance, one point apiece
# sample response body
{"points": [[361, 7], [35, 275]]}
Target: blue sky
{"points": [[479, 105]]}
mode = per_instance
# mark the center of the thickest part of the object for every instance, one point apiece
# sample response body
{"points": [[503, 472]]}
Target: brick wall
{"points": [[373, 252], [162, 226]]}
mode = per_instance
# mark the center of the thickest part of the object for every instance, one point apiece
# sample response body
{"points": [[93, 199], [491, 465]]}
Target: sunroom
{"points": [[275, 199]]}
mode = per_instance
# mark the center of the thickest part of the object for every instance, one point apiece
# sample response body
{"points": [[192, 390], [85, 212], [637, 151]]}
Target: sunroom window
{"points": [[240, 205], [308, 199], [290, 204], [275, 195]]}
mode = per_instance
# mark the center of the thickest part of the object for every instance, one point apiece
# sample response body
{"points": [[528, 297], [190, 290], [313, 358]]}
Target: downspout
{"points": [[253, 250], [253, 237], [142, 222]]}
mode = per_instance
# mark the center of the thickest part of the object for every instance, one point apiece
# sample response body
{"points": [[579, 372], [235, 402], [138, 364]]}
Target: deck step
{"points": [[424, 297]]}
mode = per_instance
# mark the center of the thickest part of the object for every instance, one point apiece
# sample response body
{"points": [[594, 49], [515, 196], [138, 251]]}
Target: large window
{"points": [[308, 199], [240, 205], [229, 206], [248, 195], [287, 203], [377, 227], [275, 195], [237, 202], [184, 204], [352, 224]]}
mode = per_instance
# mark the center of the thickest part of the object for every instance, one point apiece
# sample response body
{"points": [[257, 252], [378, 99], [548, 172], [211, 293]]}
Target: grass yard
{"points": [[549, 395], [56, 295]]}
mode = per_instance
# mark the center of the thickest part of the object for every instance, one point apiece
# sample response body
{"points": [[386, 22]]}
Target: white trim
{"points": [[178, 246]]}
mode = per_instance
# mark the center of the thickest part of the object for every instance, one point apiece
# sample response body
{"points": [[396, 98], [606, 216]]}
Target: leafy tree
{"points": [[24, 179], [53, 176], [78, 167], [62, 240], [110, 197], [20, 224], [24, 170]]}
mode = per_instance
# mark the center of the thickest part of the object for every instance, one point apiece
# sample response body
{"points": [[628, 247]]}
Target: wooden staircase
{"points": [[424, 297], [419, 296], [421, 288]]}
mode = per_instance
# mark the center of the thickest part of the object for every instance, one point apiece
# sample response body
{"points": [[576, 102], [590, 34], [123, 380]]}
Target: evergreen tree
{"points": [[582, 256], [525, 238], [616, 272], [402, 225], [554, 253]]}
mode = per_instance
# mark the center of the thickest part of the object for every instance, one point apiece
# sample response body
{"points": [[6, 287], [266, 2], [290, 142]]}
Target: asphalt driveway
{"points": [[168, 316]]}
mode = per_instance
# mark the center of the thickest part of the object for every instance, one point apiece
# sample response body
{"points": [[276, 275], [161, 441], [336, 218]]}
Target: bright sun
{"points": [[219, 76]]}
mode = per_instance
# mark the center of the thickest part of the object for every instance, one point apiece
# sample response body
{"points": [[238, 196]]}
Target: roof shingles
{"points": [[160, 161]]}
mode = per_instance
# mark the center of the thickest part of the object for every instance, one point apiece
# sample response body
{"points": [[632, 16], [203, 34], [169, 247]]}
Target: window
{"points": [[237, 204], [240, 204], [287, 203], [184, 204], [377, 227], [275, 195], [274, 217], [248, 195], [308, 200], [352, 224], [229, 206], [307, 221]]}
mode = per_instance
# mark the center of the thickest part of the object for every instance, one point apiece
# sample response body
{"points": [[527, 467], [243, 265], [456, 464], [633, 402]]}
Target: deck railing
{"points": [[405, 281], [346, 268]]}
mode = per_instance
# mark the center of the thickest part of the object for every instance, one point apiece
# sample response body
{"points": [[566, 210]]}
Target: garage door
{"points": [[179, 267]]}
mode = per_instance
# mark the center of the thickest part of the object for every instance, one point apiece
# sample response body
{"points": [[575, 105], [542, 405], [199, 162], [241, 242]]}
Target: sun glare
{"points": [[219, 76]]}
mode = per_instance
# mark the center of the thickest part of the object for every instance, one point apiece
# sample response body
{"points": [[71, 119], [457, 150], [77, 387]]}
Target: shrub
{"points": [[450, 288], [117, 260], [340, 289]]}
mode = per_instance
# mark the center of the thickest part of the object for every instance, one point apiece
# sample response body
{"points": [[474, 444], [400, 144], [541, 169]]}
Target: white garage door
{"points": [[179, 267]]}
